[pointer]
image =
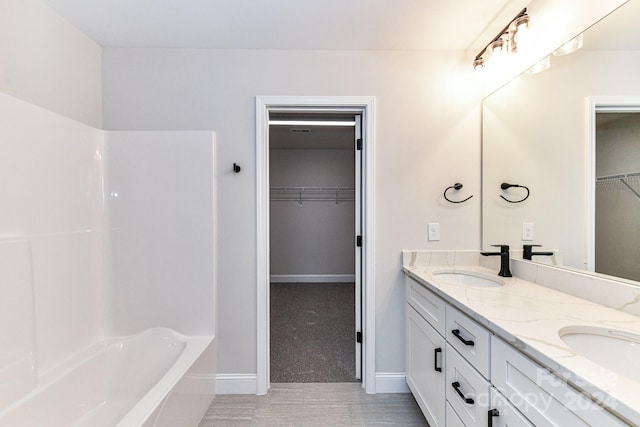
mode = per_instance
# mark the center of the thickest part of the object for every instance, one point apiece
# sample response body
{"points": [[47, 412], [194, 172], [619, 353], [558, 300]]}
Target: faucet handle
{"points": [[531, 246], [503, 248]]}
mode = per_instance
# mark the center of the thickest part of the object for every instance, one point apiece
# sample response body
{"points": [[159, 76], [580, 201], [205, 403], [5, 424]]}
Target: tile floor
{"points": [[314, 404]]}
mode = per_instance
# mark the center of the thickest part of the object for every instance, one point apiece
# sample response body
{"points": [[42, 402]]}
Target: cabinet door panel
{"points": [[541, 396], [503, 414], [425, 361]]}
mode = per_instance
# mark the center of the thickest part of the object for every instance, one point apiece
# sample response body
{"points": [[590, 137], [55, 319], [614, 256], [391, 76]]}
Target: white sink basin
{"points": [[616, 350], [467, 278]]}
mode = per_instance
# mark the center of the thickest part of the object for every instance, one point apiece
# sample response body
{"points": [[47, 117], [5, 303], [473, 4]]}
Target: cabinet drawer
{"points": [[467, 391], [469, 338], [426, 303], [503, 414], [453, 420], [425, 361], [542, 397]]}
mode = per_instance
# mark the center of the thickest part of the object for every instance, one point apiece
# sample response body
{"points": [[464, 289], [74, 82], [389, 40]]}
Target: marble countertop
{"points": [[529, 317]]}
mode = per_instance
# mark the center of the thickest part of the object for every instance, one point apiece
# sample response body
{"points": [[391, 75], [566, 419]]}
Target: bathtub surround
{"points": [[65, 286]]}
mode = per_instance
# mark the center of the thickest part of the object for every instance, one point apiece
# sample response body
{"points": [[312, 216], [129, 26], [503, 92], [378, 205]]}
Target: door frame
{"points": [[312, 104], [613, 104]]}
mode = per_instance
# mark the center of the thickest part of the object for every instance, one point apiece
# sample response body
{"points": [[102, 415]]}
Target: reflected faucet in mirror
{"points": [[504, 259], [528, 254]]}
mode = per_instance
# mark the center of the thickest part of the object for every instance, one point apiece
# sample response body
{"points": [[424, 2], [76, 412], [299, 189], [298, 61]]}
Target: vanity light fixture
{"points": [[570, 46], [506, 41]]}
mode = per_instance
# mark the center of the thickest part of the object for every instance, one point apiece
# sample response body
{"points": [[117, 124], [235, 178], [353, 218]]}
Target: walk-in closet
{"points": [[314, 302]]}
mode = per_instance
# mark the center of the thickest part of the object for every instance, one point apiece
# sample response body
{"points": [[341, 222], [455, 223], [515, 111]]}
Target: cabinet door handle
{"points": [[492, 413], [435, 359], [467, 400], [456, 332]]}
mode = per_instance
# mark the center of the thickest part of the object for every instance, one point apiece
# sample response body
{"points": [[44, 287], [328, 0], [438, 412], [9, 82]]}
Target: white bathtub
{"points": [[155, 378]]}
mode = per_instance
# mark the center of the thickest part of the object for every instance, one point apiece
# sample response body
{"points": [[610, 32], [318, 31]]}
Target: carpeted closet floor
{"points": [[312, 332]]}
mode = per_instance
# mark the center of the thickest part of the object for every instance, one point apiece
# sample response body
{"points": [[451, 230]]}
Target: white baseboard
{"points": [[236, 383], [386, 382], [312, 278], [391, 382]]}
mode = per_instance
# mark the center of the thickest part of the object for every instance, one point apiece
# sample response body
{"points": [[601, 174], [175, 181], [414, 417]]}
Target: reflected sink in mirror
{"points": [[467, 278], [616, 350]]}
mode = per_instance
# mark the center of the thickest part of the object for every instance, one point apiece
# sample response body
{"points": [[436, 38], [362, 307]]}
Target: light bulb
{"points": [[540, 66], [571, 46], [521, 34]]}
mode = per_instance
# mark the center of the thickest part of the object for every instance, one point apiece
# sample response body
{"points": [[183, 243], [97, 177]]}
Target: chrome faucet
{"points": [[527, 252], [504, 259]]}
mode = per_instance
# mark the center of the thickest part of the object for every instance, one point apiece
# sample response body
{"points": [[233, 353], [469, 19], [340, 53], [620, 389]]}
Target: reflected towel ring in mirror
{"points": [[505, 186], [456, 186]]}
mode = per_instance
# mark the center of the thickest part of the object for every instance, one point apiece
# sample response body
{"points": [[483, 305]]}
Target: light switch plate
{"points": [[527, 231], [433, 231]]}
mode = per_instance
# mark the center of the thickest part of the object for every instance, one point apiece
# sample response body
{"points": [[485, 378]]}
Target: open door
{"points": [[358, 146]]}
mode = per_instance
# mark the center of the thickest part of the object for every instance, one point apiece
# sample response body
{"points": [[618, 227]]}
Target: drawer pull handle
{"points": [[492, 413], [467, 400], [435, 359], [456, 332]]}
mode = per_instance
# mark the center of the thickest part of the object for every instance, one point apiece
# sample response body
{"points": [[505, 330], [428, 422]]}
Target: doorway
{"points": [[334, 112], [315, 304]]}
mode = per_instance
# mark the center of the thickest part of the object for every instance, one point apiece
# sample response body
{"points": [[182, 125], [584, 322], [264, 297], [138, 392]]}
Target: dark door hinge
{"points": [[359, 144], [359, 337], [359, 241]]}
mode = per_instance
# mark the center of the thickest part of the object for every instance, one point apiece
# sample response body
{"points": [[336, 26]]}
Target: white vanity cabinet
{"points": [[462, 375], [467, 391], [425, 351], [541, 396], [504, 414]]}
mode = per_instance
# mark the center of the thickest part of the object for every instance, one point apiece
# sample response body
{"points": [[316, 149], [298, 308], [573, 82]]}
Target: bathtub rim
{"points": [[194, 347]]}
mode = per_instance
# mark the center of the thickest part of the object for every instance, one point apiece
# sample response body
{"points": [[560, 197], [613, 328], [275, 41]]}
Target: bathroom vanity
{"points": [[485, 350]]}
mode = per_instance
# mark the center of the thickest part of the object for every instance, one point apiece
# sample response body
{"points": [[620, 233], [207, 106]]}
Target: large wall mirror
{"points": [[580, 168]]}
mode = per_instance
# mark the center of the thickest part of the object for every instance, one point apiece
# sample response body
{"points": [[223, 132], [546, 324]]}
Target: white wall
{"points": [[315, 238], [50, 226], [161, 198], [48, 62], [427, 138]]}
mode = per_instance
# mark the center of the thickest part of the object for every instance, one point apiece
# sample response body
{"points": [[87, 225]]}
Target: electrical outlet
{"points": [[527, 231], [433, 231]]}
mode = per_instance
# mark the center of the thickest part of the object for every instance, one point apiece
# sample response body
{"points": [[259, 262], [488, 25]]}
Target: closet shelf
{"points": [[312, 194], [618, 176], [607, 181]]}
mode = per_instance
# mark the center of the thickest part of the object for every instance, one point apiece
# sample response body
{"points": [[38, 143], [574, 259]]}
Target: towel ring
{"points": [[506, 185], [456, 186]]}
